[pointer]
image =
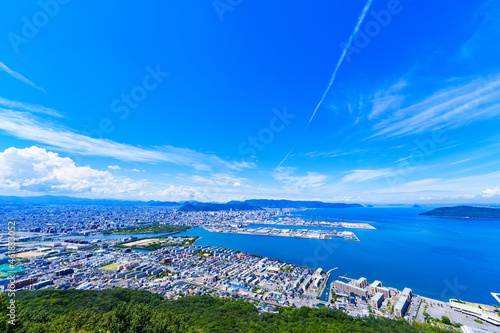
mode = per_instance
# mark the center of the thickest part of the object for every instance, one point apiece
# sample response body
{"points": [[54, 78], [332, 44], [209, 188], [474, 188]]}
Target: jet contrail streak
{"points": [[18, 76], [344, 51], [342, 56]]}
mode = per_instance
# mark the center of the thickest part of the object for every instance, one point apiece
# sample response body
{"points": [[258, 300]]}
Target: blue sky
{"points": [[365, 101]]}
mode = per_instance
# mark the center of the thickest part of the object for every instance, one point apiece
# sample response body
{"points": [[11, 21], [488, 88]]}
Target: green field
{"points": [[178, 241], [147, 229], [110, 267]]}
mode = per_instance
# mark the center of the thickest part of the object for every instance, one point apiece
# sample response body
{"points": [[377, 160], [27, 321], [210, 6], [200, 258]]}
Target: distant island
{"points": [[465, 212], [416, 206], [266, 203]]}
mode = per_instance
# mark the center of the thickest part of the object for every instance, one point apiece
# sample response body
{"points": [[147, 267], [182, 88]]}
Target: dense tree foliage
{"points": [[130, 311]]}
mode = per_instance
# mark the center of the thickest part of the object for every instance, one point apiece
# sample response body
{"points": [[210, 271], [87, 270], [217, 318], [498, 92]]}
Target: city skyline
{"points": [[371, 101]]}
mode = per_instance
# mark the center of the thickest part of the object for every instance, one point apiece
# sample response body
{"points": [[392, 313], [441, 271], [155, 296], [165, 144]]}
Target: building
{"points": [[373, 287], [361, 282], [24, 283], [349, 288], [385, 291], [63, 272], [376, 301], [401, 306], [42, 284], [408, 293]]}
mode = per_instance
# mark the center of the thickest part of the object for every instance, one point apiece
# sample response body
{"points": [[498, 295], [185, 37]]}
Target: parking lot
{"points": [[438, 309]]}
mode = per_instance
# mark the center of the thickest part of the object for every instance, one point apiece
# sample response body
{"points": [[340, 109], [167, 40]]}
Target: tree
{"points": [[446, 320]]}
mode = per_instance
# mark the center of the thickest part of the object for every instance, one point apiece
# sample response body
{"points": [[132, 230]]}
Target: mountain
{"points": [[235, 205], [63, 200], [213, 207], [416, 206], [294, 204], [166, 203], [465, 212]]}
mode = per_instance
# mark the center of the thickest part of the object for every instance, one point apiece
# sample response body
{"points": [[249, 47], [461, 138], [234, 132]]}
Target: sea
{"points": [[439, 258]]}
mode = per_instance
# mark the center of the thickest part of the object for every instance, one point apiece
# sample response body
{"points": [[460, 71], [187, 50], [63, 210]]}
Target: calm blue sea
{"points": [[436, 257]]}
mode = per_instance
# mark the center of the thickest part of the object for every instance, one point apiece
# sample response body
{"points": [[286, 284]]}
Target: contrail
{"points": [[284, 158], [334, 74], [18, 76], [344, 51]]}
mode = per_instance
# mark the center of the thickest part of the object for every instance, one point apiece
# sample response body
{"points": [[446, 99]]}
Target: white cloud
{"points": [[451, 107], [114, 167], [219, 180], [34, 170], [491, 192], [310, 180], [364, 175], [18, 76], [28, 128]]}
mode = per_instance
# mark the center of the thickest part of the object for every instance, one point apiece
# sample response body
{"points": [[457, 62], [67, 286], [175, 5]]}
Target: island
{"points": [[465, 212]]}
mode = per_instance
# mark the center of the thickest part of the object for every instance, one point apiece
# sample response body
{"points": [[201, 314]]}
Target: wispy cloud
{"points": [[462, 161], [28, 107], [464, 185], [451, 107], [29, 128], [364, 175], [19, 77], [342, 56], [331, 154], [387, 99]]}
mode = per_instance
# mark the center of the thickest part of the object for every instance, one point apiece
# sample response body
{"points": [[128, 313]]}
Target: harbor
{"points": [[296, 233]]}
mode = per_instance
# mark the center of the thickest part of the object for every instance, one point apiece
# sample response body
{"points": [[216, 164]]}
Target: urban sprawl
{"points": [[61, 247]]}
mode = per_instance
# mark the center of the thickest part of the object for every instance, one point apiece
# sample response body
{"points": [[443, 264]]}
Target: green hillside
{"points": [[129, 311]]}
